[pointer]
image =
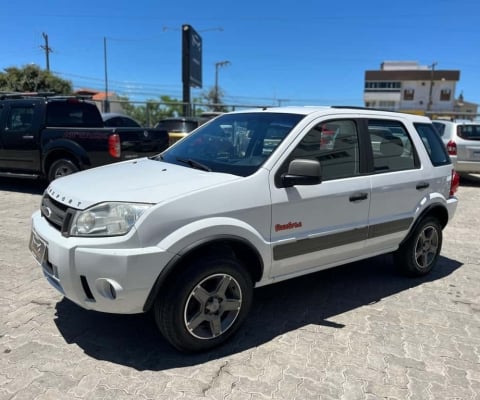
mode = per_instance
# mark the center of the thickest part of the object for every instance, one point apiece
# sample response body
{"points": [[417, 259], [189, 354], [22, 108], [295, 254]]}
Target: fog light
{"points": [[108, 288]]}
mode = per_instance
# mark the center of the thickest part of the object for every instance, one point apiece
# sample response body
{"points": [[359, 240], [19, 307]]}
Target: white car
{"points": [[248, 199], [462, 139]]}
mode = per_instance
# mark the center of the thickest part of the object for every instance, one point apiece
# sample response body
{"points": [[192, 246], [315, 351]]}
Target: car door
{"points": [[320, 225], [398, 184], [19, 152]]}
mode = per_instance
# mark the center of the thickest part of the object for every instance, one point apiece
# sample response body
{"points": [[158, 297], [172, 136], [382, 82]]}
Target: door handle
{"points": [[358, 196], [422, 185], [27, 137]]}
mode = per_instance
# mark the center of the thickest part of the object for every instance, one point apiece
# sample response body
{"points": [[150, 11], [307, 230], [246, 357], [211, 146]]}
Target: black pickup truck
{"points": [[48, 137]]}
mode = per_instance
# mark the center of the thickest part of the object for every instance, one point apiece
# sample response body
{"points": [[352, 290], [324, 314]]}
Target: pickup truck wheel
{"points": [[205, 304], [418, 255], [61, 167]]}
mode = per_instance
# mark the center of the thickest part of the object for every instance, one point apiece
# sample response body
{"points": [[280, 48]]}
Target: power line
{"points": [[144, 89]]}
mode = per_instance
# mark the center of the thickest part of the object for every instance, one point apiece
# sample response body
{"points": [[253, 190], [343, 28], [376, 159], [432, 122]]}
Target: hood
{"points": [[141, 180]]}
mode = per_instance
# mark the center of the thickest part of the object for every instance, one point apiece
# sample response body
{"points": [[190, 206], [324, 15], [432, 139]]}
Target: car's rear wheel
{"points": [[61, 167], [418, 255], [205, 304]]}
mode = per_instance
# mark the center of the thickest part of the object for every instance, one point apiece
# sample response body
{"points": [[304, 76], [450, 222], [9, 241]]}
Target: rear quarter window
{"points": [[440, 128], [73, 113], [433, 144]]}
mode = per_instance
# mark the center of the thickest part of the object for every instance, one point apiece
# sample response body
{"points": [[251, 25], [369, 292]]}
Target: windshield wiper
{"points": [[195, 164]]}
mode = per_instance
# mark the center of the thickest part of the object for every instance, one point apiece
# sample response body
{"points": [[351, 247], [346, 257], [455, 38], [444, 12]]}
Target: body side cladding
{"points": [[306, 246]]}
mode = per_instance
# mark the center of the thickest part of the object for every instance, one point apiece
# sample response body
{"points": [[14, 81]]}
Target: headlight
{"points": [[107, 219]]}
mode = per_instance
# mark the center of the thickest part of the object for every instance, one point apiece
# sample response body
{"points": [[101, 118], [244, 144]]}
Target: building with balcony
{"points": [[410, 87]]}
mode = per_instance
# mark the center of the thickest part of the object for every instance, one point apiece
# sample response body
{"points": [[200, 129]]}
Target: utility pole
{"points": [[432, 70], [47, 49], [217, 66], [106, 104]]}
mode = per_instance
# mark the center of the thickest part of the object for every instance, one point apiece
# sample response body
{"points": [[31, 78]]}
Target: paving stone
{"points": [[355, 332]]}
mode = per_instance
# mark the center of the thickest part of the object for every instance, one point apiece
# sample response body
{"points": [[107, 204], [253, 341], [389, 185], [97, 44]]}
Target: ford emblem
{"points": [[47, 211]]}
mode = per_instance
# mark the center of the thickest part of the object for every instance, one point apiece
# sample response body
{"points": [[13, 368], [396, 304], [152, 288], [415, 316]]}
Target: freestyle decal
{"points": [[85, 135], [286, 227]]}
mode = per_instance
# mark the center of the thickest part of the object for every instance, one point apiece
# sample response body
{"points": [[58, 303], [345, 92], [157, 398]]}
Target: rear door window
{"points": [[391, 146]]}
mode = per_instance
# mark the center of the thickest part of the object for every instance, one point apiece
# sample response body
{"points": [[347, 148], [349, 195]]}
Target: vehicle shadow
{"points": [[32, 186], [470, 180], [133, 340]]}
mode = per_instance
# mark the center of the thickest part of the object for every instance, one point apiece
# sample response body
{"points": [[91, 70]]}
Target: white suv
{"points": [[462, 139], [248, 199]]}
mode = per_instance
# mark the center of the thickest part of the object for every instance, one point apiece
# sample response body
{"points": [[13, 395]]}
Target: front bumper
{"points": [[108, 274]]}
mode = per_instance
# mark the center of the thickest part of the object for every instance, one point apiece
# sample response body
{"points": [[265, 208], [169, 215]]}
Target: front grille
{"points": [[57, 214]]}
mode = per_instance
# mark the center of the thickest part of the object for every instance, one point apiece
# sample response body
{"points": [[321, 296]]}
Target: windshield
{"points": [[233, 143]]}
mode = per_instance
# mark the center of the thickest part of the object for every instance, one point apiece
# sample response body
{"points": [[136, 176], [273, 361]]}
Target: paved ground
{"points": [[355, 332]]}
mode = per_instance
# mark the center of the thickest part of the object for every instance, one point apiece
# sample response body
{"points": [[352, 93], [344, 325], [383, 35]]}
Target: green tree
{"points": [[148, 113], [214, 99], [32, 78]]}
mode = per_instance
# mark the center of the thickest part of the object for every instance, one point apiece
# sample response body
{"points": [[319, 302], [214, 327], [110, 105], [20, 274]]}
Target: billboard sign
{"points": [[191, 57]]}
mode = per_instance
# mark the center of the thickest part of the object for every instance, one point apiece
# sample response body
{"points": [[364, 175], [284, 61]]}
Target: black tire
{"points": [[418, 255], [61, 167], [191, 311]]}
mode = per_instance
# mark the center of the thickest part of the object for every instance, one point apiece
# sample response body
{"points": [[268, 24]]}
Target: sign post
{"points": [[191, 64]]}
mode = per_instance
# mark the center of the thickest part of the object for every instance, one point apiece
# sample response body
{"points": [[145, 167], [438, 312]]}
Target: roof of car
{"points": [[113, 115], [458, 121], [180, 119]]}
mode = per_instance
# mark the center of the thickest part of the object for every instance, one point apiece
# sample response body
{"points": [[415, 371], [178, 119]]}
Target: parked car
{"points": [[47, 136], [248, 199], [462, 140], [119, 120], [208, 115], [178, 127]]}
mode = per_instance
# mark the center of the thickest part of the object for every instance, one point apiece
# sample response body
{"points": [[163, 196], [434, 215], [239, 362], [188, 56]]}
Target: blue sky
{"points": [[281, 52]]}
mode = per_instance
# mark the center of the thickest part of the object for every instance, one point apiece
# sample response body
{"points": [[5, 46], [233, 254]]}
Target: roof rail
{"points": [[368, 109], [20, 95], [51, 95], [70, 96]]}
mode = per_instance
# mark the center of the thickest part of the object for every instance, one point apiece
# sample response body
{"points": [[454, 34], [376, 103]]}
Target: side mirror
{"points": [[302, 172]]}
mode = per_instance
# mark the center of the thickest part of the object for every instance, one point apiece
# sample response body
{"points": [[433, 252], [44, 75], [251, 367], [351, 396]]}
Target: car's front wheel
{"points": [[204, 304], [419, 253]]}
